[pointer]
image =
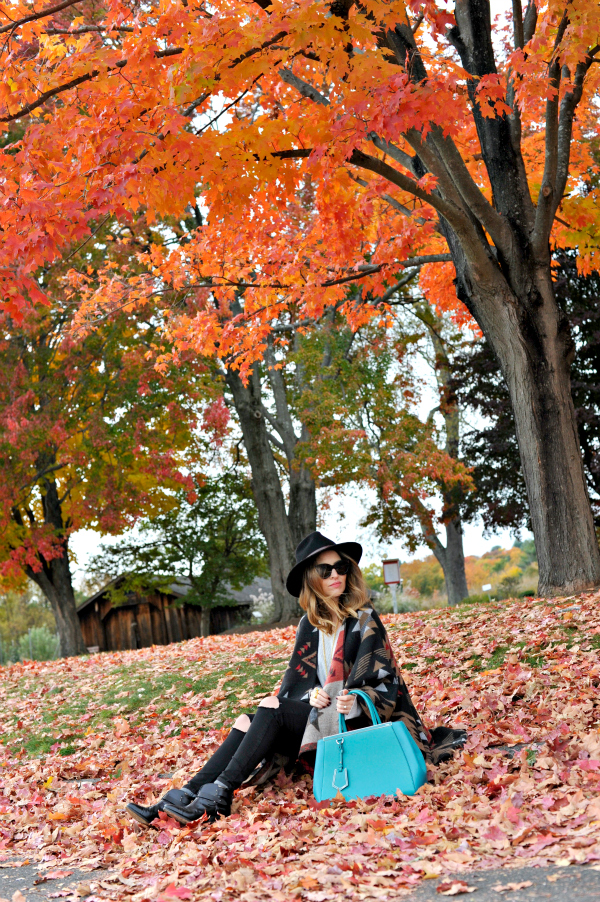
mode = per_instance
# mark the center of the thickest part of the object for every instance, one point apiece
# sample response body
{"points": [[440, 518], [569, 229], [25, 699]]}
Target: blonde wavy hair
{"points": [[323, 611]]}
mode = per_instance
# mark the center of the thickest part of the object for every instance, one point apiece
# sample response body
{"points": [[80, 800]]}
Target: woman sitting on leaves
{"points": [[341, 644]]}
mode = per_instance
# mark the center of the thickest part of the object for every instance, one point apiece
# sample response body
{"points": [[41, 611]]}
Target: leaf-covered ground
{"points": [[81, 737]]}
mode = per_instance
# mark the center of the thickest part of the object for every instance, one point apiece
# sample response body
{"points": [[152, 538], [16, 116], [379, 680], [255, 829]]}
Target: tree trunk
{"points": [[452, 557], [303, 502], [266, 486], [536, 369], [452, 562], [205, 620], [302, 509], [54, 579]]}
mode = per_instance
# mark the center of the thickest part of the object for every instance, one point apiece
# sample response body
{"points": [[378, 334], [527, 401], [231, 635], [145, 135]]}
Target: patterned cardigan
{"points": [[363, 659]]}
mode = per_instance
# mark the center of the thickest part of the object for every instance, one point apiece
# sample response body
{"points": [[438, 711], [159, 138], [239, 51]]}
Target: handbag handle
{"points": [[372, 710]]}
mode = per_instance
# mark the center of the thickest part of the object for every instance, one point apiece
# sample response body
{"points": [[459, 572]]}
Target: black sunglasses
{"points": [[340, 567]]}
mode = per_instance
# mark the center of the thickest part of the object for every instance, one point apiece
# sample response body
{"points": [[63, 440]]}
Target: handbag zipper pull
{"points": [[341, 770]]}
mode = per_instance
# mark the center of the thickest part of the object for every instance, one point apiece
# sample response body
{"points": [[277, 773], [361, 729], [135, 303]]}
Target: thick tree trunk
{"points": [[531, 339], [303, 502], [54, 579], [536, 369], [266, 486]]}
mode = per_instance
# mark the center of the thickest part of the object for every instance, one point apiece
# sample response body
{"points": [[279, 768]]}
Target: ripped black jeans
{"points": [[272, 730]]}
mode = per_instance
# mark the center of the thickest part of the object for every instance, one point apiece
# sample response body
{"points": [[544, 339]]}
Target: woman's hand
{"points": [[344, 702], [319, 698]]}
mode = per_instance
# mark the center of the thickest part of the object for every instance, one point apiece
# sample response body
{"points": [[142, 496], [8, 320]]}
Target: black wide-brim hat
{"points": [[306, 551]]}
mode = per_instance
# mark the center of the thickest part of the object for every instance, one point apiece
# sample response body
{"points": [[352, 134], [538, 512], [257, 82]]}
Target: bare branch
{"points": [[547, 201], [276, 441], [391, 291], [393, 202], [469, 190], [568, 106], [361, 272]]}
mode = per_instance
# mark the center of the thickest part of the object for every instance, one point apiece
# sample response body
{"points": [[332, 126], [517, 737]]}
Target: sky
{"points": [[340, 523]]}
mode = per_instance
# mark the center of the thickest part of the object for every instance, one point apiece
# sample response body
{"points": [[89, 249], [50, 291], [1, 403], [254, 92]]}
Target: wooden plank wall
{"points": [[152, 621]]}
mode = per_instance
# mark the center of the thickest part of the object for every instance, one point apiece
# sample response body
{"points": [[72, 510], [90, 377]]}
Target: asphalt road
{"points": [[572, 884], [36, 882]]}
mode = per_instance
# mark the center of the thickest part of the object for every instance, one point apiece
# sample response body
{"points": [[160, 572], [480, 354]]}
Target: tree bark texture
{"points": [[534, 348], [266, 485], [54, 580], [452, 561]]}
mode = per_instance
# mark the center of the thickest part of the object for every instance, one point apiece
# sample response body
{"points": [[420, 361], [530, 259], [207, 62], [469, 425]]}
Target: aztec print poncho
{"points": [[363, 659]]}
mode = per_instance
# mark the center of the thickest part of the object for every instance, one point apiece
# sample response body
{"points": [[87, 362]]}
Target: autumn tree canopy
{"points": [[317, 144], [91, 435]]}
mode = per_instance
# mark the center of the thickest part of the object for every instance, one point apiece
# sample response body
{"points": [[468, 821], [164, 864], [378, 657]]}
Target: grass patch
{"points": [[69, 710]]}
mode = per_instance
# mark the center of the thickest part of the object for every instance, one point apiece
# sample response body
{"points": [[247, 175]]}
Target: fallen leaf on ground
{"points": [[511, 887], [455, 888], [523, 793], [53, 875]]}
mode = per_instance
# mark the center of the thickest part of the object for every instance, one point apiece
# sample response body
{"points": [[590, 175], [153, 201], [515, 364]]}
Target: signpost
{"points": [[391, 577]]}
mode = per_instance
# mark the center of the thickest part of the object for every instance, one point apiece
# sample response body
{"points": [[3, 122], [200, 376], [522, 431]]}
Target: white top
{"points": [[327, 645]]}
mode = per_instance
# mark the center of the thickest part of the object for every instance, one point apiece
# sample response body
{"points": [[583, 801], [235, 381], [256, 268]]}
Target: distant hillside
{"points": [[511, 571]]}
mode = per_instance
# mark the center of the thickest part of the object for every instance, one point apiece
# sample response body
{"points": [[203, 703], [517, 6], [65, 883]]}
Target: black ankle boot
{"points": [[213, 800], [145, 815]]}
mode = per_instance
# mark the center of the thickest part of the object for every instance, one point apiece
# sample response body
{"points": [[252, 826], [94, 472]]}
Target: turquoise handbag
{"points": [[374, 761]]}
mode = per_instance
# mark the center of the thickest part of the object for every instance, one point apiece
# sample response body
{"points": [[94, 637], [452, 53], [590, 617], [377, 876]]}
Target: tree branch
{"points": [[451, 212], [530, 21], [394, 203], [391, 291], [361, 272], [468, 189], [518, 39], [547, 199], [87, 29], [391, 150], [42, 14], [75, 82], [566, 116], [283, 421], [303, 87]]}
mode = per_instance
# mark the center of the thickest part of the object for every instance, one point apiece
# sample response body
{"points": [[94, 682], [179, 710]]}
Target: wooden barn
{"points": [[157, 618]]}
